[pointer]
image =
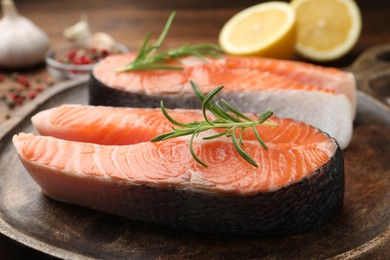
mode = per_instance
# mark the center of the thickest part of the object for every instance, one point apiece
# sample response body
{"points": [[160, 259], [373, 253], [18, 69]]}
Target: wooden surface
{"points": [[196, 21]]}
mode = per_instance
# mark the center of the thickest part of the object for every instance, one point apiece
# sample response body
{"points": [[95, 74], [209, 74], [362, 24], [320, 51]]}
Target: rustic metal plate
{"points": [[61, 230]]}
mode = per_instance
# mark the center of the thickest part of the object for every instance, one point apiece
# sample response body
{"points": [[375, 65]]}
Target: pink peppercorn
{"points": [[19, 100], [32, 94], [72, 54], [23, 80]]}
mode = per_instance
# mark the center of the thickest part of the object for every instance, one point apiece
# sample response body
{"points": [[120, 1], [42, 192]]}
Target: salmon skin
{"points": [[248, 86], [299, 186]]}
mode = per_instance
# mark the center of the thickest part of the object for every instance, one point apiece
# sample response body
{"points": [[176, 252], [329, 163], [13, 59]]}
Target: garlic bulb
{"points": [[79, 32], [22, 43]]}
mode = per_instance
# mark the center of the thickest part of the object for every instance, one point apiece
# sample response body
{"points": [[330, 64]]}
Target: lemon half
{"points": [[266, 29], [326, 29]]}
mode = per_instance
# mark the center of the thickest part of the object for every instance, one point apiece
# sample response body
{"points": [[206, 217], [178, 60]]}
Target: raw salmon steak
{"points": [[298, 186], [249, 87]]}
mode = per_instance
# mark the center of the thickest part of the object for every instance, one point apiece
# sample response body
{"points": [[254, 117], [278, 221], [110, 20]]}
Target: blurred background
{"points": [[127, 21]]}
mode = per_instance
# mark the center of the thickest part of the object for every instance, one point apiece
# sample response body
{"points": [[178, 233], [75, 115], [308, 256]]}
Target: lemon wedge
{"points": [[266, 29], [326, 29]]}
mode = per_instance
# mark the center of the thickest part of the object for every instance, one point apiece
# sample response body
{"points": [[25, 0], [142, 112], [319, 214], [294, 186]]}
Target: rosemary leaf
{"points": [[259, 138], [242, 152], [198, 94], [240, 135], [264, 116], [193, 153], [173, 121], [234, 110], [206, 102], [161, 137], [215, 136]]}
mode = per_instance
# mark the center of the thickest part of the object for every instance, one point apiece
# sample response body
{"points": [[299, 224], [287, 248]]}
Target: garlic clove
{"points": [[101, 40], [22, 43], [79, 32]]}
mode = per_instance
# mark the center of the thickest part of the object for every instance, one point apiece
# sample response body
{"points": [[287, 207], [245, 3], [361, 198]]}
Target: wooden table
{"points": [[196, 21]]}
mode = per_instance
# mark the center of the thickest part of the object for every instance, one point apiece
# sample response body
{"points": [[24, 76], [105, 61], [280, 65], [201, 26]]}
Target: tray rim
{"points": [[376, 243]]}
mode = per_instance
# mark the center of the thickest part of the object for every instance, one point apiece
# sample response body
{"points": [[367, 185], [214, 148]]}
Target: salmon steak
{"points": [[322, 97], [298, 186]]}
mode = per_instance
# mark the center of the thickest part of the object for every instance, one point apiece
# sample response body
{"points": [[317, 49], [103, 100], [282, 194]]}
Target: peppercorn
{"points": [[23, 80], [19, 100], [71, 55], [38, 89], [32, 94]]}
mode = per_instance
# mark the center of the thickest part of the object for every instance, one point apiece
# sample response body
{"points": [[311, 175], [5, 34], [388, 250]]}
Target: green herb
{"points": [[148, 59], [229, 120]]}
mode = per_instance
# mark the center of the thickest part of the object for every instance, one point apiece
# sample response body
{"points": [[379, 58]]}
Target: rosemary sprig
{"points": [[228, 119], [148, 59]]}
